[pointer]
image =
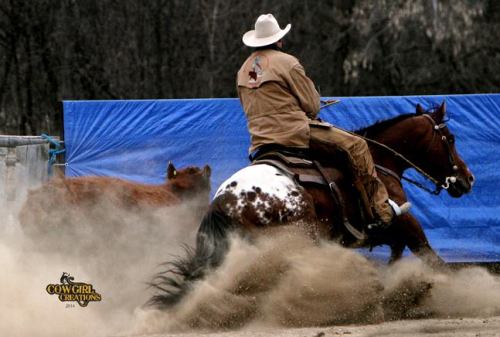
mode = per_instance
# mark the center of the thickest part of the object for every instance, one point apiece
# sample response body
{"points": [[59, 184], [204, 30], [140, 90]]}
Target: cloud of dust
{"points": [[413, 290], [286, 280], [279, 279], [115, 250]]}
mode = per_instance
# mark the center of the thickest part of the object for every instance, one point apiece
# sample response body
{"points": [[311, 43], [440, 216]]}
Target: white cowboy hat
{"points": [[267, 31]]}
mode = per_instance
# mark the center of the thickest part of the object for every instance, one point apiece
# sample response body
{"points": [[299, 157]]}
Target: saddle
{"points": [[307, 171]]}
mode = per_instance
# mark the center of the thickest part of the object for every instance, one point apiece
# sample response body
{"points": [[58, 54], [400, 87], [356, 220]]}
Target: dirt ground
{"points": [[283, 285], [461, 327]]}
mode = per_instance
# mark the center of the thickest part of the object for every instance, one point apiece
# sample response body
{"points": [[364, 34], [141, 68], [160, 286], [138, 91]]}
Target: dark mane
{"points": [[380, 126]]}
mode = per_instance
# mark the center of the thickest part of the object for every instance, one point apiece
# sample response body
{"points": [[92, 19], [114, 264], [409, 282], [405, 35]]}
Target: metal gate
{"points": [[23, 165]]}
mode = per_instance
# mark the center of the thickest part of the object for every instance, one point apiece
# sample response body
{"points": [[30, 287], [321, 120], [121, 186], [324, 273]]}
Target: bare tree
{"points": [[51, 50]]}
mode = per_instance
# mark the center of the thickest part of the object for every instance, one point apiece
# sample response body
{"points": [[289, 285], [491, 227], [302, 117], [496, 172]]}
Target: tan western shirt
{"points": [[278, 99]]}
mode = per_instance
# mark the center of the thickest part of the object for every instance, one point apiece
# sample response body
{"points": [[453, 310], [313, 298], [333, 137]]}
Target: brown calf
{"points": [[59, 197]]}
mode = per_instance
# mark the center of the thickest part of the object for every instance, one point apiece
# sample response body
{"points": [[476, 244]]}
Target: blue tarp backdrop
{"points": [[134, 140]]}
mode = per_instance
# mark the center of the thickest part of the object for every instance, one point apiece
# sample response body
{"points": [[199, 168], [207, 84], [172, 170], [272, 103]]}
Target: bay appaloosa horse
{"points": [[261, 196], [84, 193]]}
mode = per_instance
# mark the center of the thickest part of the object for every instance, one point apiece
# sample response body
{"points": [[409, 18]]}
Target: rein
{"points": [[439, 186], [393, 174], [409, 162]]}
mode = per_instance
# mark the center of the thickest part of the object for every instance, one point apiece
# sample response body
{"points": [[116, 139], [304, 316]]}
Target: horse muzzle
{"points": [[458, 186]]}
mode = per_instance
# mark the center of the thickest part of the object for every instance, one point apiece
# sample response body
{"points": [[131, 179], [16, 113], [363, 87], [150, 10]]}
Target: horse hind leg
{"points": [[309, 221]]}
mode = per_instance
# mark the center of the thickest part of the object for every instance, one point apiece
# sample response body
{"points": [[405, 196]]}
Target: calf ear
{"points": [[420, 110], [207, 171], [171, 171]]}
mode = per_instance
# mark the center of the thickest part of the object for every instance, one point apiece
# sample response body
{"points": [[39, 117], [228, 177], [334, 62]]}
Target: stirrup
{"points": [[376, 227], [399, 209]]}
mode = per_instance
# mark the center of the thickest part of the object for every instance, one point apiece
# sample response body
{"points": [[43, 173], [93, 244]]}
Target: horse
{"points": [[262, 196], [84, 193]]}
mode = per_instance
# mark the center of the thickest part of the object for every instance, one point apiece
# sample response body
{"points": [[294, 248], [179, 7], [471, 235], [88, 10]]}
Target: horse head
{"points": [[190, 181], [446, 166]]}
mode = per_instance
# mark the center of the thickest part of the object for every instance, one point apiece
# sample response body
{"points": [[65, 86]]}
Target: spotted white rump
{"points": [[262, 193]]}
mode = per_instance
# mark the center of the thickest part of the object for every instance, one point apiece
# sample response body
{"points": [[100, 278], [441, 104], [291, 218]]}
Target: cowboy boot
{"points": [[397, 210]]}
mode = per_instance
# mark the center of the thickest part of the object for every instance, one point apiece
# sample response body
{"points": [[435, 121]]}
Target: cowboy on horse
{"points": [[281, 105], [293, 180]]}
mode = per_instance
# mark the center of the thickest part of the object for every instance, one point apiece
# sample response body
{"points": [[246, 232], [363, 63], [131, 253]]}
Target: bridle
{"points": [[439, 186], [438, 130]]}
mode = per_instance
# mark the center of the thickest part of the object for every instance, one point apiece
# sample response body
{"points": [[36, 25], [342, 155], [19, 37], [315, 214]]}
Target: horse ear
{"points": [[207, 171], [440, 112], [171, 171], [420, 109]]}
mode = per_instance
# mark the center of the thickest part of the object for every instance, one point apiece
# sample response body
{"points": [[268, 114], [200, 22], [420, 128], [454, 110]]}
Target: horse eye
{"points": [[451, 139]]}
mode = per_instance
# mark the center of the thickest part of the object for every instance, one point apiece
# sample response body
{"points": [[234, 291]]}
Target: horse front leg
{"points": [[414, 237], [396, 252], [407, 231]]}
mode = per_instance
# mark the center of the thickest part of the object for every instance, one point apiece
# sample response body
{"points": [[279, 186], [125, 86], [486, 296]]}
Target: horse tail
{"points": [[212, 243]]}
